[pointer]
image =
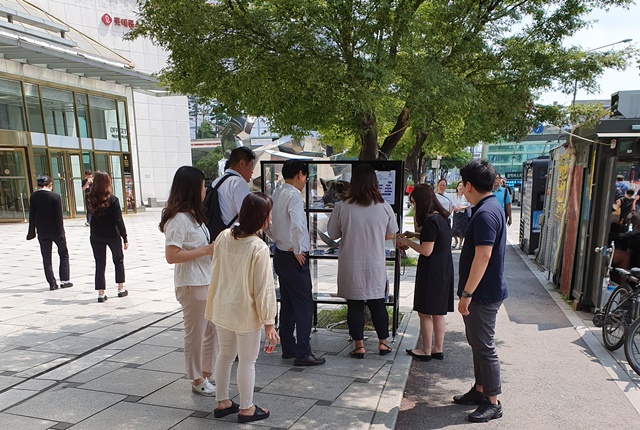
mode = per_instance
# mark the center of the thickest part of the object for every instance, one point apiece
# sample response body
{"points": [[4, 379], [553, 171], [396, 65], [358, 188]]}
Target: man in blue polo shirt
{"points": [[503, 197], [482, 287]]}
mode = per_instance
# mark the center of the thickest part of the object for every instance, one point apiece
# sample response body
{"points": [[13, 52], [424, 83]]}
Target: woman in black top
{"points": [[107, 227], [433, 296]]}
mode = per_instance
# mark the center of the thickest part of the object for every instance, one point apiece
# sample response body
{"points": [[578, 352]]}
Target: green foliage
{"points": [[409, 261], [209, 163], [449, 73], [206, 131]]}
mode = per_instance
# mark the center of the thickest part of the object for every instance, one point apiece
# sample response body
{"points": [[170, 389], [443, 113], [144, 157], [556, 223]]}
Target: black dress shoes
{"points": [[309, 361], [53, 287], [487, 411], [66, 285], [287, 356]]}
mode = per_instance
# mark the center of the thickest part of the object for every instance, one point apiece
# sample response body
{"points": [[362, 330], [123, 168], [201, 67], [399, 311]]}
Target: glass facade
{"points": [[61, 133], [509, 156]]}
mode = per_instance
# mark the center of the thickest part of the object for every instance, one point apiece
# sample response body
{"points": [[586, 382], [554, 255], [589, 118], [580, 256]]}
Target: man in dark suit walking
{"points": [[45, 216]]}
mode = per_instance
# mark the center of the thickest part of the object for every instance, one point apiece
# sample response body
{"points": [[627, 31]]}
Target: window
{"points": [[104, 123], [83, 121], [124, 132], [11, 106], [34, 110], [59, 117]]}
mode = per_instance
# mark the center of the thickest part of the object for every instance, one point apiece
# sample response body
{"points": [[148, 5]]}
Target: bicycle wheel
{"points": [[616, 318], [632, 346]]}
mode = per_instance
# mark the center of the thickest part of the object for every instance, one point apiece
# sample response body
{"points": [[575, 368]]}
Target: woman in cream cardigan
{"points": [[241, 302]]}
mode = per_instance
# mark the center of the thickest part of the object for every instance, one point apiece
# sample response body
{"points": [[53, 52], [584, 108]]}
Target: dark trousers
{"points": [[63, 252], [379, 317], [296, 303], [480, 328], [99, 246]]}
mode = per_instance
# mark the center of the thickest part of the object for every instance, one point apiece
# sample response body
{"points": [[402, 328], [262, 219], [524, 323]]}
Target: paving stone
{"points": [[18, 361], [193, 423], [43, 368], [127, 416], [35, 385], [79, 365], [133, 382], [326, 417], [69, 405], [16, 422], [167, 338], [32, 337], [179, 395], [141, 354], [309, 385], [13, 396], [171, 362], [360, 396], [8, 381], [71, 344], [342, 366], [62, 426]]}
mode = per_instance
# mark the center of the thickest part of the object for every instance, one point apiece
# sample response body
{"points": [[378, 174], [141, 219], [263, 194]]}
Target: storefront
{"points": [[75, 95], [49, 130], [579, 220]]}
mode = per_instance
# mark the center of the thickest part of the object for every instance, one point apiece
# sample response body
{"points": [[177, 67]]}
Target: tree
{"points": [[209, 163], [453, 73], [206, 131]]}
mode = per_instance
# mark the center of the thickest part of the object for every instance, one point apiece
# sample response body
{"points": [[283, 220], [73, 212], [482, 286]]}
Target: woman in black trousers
{"points": [[107, 229]]}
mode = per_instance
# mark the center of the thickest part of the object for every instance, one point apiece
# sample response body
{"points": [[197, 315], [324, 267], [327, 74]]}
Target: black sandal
{"points": [[420, 357], [221, 413], [258, 414], [355, 354], [385, 351]]}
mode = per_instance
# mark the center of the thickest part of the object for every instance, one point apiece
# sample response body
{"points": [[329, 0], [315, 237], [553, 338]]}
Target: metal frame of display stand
{"points": [[398, 168]]}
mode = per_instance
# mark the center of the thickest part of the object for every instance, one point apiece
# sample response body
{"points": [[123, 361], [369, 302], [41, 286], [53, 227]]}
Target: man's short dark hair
{"points": [[290, 168], [88, 172], [620, 178], [242, 153], [480, 174], [630, 192]]}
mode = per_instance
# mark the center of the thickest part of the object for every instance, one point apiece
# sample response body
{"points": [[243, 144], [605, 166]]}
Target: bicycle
{"points": [[621, 311]]}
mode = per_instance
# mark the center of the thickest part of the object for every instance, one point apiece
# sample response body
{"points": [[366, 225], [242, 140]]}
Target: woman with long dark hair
{"points": [[363, 221], [187, 246], [433, 296], [107, 229], [241, 302]]}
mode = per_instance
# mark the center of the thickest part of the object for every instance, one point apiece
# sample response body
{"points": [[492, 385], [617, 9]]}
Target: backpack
{"points": [[213, 212]]}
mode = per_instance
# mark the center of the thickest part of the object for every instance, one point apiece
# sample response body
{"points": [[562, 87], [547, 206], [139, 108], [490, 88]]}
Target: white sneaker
{"points": [[205, 388]]}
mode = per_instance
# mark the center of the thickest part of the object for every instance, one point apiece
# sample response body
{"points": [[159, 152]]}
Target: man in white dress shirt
{"points": [[290, 233], [234, 189]]}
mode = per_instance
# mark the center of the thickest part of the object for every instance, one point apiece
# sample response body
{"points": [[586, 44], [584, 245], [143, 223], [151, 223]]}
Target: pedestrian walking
{"points": [[242, 301], [45, 219], [482, 287], [290, 233], [86, 188], [445, 201], [107, 230], [460, 216], [187, 246], [503, 197], [433, 296], [363, 222]]}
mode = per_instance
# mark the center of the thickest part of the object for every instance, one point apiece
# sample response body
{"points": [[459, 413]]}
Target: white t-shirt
{"points": [[231, 194], [445, 201], [184, 232]]}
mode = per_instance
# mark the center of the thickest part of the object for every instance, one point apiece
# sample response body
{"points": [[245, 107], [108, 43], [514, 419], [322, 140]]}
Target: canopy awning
{"points": [[33, 52]]}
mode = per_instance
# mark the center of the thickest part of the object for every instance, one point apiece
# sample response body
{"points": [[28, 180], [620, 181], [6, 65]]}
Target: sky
{"points": [[613, 26]]}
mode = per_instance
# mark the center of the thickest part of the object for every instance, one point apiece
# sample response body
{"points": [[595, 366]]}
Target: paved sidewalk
{"points": [[555, 372], [67, 361]]}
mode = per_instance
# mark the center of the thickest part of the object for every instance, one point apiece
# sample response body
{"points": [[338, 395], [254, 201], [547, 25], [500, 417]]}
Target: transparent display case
{"points": [[327, 184]]}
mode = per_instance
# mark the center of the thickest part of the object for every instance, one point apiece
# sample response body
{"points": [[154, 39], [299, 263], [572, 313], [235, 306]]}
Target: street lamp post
{"points": [[575, 84]]}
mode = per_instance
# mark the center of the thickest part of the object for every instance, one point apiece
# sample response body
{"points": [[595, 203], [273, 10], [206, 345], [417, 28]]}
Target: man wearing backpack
{"points": [[231, 189], [503, 196]]}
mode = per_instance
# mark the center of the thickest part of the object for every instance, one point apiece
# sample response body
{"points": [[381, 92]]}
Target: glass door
{"points": [[59, 177], [13, 184], [76, 175]]}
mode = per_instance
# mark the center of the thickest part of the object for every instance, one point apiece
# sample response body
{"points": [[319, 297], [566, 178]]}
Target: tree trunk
{"points": [[368, 137], [402, 123], [411, 160]]}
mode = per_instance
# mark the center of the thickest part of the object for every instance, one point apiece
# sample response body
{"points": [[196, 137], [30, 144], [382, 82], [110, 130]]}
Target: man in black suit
{"points": [[45, 216]]}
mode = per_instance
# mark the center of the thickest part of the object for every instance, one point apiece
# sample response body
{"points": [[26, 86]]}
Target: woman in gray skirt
{"points": [[363, 221]]}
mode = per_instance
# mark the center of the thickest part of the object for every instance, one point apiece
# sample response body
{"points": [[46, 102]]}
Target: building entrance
{"points": [[67, 174], [14, 195]]}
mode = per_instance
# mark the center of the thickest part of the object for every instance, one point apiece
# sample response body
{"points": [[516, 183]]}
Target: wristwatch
{"points": [[466, 295]]}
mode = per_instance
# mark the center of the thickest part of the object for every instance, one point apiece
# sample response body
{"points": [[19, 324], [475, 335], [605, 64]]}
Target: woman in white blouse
{"points": [[187, 246], [242, 301]]}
